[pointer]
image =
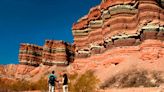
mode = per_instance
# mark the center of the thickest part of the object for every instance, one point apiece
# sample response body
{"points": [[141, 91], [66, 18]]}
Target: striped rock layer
{"points": [[52, 53], [113, 23], [116, 23]]}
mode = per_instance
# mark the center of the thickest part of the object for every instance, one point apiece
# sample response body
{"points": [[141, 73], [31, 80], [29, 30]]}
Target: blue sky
{"points": [[34, 21]]}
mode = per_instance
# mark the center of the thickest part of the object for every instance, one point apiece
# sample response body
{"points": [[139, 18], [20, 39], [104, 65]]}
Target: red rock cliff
{"points": [[117, 31], [113, 23], [52, 53], [116, 23]]}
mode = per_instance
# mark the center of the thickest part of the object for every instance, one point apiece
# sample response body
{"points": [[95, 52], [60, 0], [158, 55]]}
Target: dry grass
{"points": [[23, 85], [134, 78], [87, 82], [84, 83]]}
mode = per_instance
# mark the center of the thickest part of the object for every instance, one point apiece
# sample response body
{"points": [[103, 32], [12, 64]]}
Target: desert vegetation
{"points": [[86, 82], [23, 85], [134, 78]]}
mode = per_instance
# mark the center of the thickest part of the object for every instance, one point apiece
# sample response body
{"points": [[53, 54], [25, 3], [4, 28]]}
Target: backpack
{"points": [[52, 80]]}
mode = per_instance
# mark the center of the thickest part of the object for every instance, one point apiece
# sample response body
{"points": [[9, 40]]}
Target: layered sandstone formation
{"points": [[148, 51], [116, 23], [52, 53], [110, 25], [57, 52], [30, 54], [113, 23]]}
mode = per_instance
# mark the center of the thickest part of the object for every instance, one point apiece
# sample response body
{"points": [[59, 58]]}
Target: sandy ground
{"points": [[135, 90], [124, 90]]}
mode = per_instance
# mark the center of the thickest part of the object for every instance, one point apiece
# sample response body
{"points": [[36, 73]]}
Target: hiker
{"points": [[65, 83], [52, 79]]}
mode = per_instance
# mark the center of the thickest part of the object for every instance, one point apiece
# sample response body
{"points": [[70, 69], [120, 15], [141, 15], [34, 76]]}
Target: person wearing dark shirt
{"points": [[65, 83], [52, 79]]}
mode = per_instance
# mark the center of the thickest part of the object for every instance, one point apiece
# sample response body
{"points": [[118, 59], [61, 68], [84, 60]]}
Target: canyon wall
{"points": [[113, 23], [116, 23], [52, 53], [119, 30], [148, 51]]}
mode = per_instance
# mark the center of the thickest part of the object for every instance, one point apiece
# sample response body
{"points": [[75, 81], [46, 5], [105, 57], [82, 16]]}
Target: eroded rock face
{"points": [[52, 53], [30, 54], [116, 23], [26, 72], [111, 24], [57, 52], [117, 31], [151, 51], [15, 71]]}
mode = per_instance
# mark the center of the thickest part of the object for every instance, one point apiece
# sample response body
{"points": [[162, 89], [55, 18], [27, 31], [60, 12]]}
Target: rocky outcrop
{"points": [[15, 72], [30, 54], [111, 24], [150, 51], [52, 53], [29, 73], [117, 31], [121, 25], [57, 52], [116, 23]]}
